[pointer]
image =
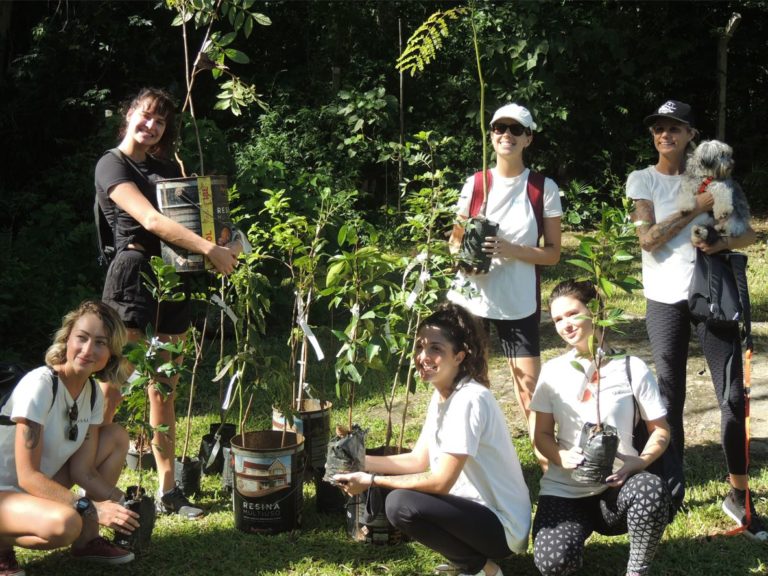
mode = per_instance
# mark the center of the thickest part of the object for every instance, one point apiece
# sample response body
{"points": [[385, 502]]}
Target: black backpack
{"points": [[11, 374], [105, 235], [668, 465], [719, 294], [106, 232]]}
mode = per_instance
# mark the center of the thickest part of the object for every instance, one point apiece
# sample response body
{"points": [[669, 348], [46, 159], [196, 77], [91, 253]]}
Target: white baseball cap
{"points": [[515, 112]]}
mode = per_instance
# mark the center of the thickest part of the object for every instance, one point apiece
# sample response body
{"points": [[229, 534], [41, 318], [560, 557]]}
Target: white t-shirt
{"points": [[560, 391], [508, 290], [33, 399], [471, 422], [667, 271]]}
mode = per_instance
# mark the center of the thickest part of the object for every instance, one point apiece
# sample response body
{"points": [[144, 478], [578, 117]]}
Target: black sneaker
{"points": [[734, 506], [174, 502]]}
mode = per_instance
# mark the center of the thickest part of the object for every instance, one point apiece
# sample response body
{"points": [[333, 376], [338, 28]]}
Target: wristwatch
{"points": [[83, 505]]}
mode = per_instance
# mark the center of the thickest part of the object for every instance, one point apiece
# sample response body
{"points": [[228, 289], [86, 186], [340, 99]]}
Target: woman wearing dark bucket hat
{"points": [[507, 295], [668, 258]]}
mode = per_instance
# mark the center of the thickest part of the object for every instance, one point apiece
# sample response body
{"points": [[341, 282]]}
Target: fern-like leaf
{"points": [[427, 39]]}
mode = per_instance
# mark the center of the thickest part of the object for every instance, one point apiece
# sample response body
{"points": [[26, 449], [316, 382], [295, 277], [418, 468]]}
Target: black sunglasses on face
{"points": [[516, 129], [72, 415]]}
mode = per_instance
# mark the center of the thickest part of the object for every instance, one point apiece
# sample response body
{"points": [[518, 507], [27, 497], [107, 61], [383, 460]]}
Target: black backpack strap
{"points": [[6, 420], [738, 263], [638, 416], [93, 392]]}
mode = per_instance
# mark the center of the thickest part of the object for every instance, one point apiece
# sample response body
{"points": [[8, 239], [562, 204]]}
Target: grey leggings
{"points": [[562, 525]]}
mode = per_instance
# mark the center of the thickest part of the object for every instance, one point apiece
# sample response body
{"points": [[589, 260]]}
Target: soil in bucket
{"points": [[201, 205], [144, 506], [314, 423], [268, 481], [187, 475]]}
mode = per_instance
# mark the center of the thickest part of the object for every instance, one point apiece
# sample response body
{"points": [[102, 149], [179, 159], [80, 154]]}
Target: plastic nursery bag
{"points": [[599, 447], [346, 452]]}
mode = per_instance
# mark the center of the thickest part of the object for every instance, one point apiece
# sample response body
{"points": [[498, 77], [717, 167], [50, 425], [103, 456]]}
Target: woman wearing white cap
{"points": [[664, 233], [508, 293]]}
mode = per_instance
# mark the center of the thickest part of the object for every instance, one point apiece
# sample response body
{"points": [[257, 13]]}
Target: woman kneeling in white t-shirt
{"points": [[51, 438], [631, 499], [461, 490]]}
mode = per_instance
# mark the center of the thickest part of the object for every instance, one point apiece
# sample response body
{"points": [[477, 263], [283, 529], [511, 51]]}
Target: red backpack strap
{"points": [[535, 190], [536, 198], [477, 192]]}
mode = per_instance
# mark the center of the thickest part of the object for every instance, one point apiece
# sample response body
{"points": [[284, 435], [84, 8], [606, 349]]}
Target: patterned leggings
{"points": [[562, 525]]}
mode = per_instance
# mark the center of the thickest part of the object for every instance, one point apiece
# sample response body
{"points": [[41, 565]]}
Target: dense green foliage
{"points": [[589, 71]]}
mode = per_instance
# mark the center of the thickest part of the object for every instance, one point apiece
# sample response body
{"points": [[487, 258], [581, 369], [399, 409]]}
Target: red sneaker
{"points": [[8, 564], [102, 551]]}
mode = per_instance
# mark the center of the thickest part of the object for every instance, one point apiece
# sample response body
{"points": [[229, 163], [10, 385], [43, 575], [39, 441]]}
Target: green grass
{"points": [[322, 547]]}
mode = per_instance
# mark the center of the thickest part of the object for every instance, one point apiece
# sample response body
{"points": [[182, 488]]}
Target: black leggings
{"points": [[669, 331], [562, 525], [465, 532]]}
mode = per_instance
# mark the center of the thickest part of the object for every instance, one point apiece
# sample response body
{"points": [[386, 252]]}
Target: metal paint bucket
{"points": [[268, 481], [201, 205]]}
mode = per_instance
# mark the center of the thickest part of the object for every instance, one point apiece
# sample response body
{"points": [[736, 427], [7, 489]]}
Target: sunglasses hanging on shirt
{"points": [[72, 414]]}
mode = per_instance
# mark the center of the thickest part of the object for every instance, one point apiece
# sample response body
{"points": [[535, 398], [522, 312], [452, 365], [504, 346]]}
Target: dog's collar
{"points": [[704, 185]]}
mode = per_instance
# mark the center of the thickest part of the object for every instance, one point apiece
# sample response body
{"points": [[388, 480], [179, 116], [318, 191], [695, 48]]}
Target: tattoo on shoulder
{"points": [[32, 435]]}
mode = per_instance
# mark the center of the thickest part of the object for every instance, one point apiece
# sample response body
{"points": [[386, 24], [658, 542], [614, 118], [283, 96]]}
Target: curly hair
{"points": [[583, 291], [465, 333], [117, 368], [156, 101]]}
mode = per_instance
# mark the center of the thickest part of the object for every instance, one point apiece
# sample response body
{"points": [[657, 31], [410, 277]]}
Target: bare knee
{"points": [[61, 527], [115, 438]]}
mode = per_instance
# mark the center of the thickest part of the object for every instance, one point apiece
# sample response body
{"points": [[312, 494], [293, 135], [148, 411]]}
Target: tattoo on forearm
{"points": [[32, 435], [667, 229]]}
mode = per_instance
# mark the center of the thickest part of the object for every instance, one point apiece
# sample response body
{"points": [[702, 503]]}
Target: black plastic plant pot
{"points": [[211, 447], [329, 499], [144, 506], [599, 445], [132, 460], [187, 474], [346, 453], [471, 255]]}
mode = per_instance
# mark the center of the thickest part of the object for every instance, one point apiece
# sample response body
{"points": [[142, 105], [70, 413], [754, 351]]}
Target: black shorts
{"points": [[124, 291], [519, 338]]}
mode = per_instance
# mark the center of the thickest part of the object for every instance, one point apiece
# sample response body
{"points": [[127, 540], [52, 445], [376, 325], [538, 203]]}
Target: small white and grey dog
{"points": [[710, 168]]}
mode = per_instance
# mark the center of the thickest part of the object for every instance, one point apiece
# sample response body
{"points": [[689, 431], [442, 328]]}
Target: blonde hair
{"points": [[117, 368]]}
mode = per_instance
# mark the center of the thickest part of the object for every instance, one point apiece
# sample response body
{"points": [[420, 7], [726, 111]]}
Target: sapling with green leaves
{"points": [[216, 53], [297, 238], [427, 271], [155, 362], [605, 255], [357, 283], [420, 50]]}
